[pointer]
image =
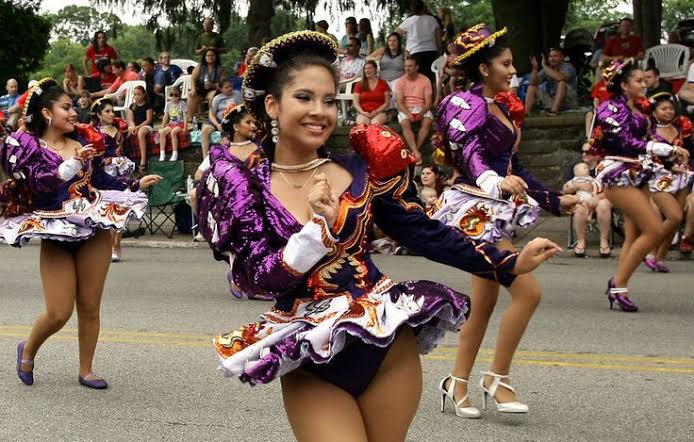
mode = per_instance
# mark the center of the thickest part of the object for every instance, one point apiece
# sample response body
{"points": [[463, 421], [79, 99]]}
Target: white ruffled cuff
{"points": [[659, 149], [308, 246], [69, 169], [489, 182]]}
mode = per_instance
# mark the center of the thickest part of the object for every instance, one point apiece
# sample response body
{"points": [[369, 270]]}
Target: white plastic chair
{"points": [[183, 83], [345, 98], [671, 60], [184, 64], [127, 88]]}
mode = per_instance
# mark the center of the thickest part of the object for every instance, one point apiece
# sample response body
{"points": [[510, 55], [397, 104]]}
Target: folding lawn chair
{"points": [[164, 196]]}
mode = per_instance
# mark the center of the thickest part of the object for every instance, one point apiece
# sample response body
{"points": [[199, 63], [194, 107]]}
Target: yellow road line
{"points": [[613, 362]]}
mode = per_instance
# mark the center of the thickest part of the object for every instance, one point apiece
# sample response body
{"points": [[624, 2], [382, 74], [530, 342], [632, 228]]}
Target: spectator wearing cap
{"points": [[553, 86], [623, 45], [322, 27], [654, 85], [209, 39], [352, 63], [423, 38]]}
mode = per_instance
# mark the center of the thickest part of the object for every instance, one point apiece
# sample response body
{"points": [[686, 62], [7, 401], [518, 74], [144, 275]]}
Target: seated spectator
{"points": [[106, 75], [366, 37], [134, 66], [207, 75], [431, 188], [391, 59], [654, 85], [166, 73], [148, 76], [350, 32], [371, 96], [84, 108], [140, 117], [554, 86], [623, 45], [686, 92], [414, 96], [97, 50], [8, 103], [73, 83], [322, 27], [209, 39], [592, 201], [352, 63], [216, 114], [173, 122], [122, 75], [250, 53]]}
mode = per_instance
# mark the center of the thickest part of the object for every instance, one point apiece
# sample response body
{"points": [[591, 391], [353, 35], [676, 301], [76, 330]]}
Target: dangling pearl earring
{"points": [[50, 120], [275, 131]]}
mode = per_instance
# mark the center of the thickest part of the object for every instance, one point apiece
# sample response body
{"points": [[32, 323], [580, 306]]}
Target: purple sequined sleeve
{"points": [[624, 130], [23, 158], [465, 114], [397, 214], [230, 215]]}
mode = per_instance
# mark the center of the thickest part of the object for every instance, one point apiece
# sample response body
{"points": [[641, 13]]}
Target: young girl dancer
{"points": [[113, 162], [492, 196], [239, 126], [342, 336], [57, 195], [625, 171], [670, 185]]}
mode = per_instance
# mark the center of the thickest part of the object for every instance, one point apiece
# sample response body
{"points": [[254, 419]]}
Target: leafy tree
{"points": [[79, 23], [676, 10], [24, 39], [590, 14], [60, 53]]}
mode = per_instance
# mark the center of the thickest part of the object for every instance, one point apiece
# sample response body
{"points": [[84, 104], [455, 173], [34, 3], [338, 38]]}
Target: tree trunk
{"points": [[534, 26], [648, 15], [260, 13]]}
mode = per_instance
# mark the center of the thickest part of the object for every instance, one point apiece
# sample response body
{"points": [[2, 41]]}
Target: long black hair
{"points": [[34, 120], [95, 40], [98, 107], [471, 65], [234, 118]]}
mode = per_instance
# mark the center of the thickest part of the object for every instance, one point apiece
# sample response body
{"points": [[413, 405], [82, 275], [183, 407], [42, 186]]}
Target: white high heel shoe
{"points": [[502, 407], [466, 412]]}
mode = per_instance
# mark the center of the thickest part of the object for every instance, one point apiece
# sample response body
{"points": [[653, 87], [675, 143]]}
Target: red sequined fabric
{"points": [[382, 148]]}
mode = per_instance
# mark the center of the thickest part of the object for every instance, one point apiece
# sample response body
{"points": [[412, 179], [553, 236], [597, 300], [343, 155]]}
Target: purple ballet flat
{"points": [[651, 263], [96, 383], [27, 377], [661, 268]]}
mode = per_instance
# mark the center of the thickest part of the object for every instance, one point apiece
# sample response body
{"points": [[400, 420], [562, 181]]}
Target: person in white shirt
{"points": [[423, 38], [686, 93], [352, 63]]}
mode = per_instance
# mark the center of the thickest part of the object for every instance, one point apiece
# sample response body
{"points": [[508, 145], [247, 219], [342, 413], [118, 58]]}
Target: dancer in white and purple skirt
{"points": [[58, 194], [626, 169], [478, 132], [670, 184], [342, 336]]}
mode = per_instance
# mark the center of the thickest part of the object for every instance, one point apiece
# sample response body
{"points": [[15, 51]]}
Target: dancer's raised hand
{"points": [[535, 253], [321, 199]]}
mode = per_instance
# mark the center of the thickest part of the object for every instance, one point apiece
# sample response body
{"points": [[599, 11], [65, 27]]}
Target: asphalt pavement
{"points": [[586, 372]]}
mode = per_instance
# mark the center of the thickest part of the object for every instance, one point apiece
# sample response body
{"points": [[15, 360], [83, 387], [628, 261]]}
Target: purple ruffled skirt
{"points": [[483, 217], [625, 171], [664, 180], [77, 220], [316, 330]]}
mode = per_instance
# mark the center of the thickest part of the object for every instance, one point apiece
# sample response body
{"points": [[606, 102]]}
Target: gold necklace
{"points": [[297, 186], [299, 167]]}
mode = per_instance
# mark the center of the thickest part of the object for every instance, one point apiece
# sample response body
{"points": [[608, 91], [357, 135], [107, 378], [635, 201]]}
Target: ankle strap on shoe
{"points": [[27, 362], [457, 379], [619, 290], [496, 383]]}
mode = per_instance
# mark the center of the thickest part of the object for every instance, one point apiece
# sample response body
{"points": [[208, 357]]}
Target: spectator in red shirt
{"points": [[97, 50], [106, 76], [371, 96], [623, 45], [122, 75]]}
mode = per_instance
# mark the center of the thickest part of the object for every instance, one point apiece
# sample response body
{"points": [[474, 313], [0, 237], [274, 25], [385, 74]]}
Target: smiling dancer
{"points": [[57, 195], [670, 185], [342, 336], [626, 170], [479, 133]]}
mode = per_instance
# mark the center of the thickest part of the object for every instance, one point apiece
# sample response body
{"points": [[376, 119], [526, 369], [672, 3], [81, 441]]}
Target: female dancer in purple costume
{"points": [[55, 182], [115, 164], [626, 170], [342, 336], [671, 184], [492, 196]]}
